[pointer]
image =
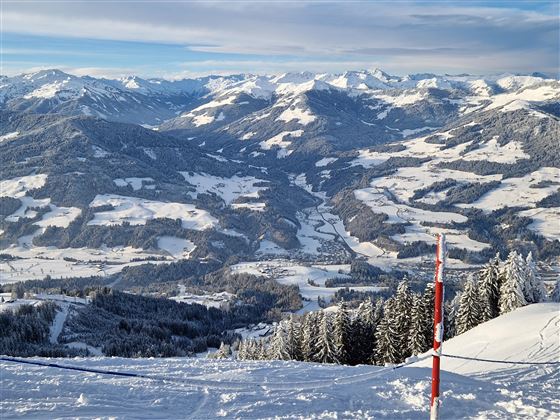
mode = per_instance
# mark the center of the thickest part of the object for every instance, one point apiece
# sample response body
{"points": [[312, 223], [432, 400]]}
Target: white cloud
{"points": [[409, 36]]}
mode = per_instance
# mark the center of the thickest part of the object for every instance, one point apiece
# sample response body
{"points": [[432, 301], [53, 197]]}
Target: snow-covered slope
{"points": [[413, 156], [203, 389]]}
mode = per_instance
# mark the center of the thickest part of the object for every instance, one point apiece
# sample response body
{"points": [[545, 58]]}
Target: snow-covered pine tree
{"points": [[513, 279], [310, 336], [252, 350], [468, 315], [293, 338], [386, 335], [450, 317], [241, 350], [278, 347], [535, 287], [378, 311], [262, 349], [377, 316], [326, 348], [427, 303], [401, 314], [555, 293], [364, 331], [417, 339], [223, 352], [489, 289], [343, 334]]}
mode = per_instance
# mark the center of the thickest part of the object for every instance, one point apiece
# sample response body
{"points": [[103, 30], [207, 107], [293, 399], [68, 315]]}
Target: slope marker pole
{"points": [[438, 325]]}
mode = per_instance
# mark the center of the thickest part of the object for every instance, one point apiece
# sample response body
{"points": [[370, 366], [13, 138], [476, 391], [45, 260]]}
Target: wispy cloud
{"points": [[401, 36]]}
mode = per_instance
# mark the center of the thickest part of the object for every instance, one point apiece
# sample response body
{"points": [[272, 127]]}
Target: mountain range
{"points": [[116, 177]]}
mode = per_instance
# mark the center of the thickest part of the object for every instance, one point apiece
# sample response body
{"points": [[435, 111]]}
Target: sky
{"points": [[177, 39]]}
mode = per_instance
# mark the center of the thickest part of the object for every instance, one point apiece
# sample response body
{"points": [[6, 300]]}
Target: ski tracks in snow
{"points": [[542, 348]]}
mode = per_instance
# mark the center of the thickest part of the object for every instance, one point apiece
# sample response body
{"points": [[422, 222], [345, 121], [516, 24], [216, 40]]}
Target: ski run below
{"points": [[206, 389]]}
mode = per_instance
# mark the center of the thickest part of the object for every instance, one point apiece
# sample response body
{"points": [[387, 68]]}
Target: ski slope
{"points": [[207, 389]]}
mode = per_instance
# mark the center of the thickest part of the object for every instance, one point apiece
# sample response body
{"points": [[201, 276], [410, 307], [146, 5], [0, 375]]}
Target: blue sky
{"points": [[177, 38]]}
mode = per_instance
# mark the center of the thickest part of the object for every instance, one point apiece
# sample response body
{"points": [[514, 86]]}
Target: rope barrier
{"points": [[511, 362], [77, 368], [194, 382]]}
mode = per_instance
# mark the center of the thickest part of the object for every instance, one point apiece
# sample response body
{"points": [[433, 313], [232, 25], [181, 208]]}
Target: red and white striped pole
{"points": [[438, 324]]}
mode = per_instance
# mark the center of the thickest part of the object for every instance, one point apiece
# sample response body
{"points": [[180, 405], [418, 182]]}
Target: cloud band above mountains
{"points": [[268, 36]]}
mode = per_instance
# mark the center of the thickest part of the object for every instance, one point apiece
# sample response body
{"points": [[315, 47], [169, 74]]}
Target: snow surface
{"points": [[9, 136], [546, 221], [517, 191], [229, 189], [37, 262], [98, 152], [491, 151], [207, 389], [279, 141], [176, 247], [210, 300], [250, 206], [302, 116], [59, 216], [18, 187], [325, 161], [137, 211], [58, 323]]}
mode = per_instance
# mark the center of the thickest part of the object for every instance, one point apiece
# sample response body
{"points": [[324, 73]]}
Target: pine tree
{"points": [[241, 350], [403, 303], [378, 311], [555, 294], [223, 352], [253, 350], [261, 350], [278, 347], [427, 308], [364, 331], [293, 339], [489, 289], [536, 292], [387, 350], [511, 292], [310, 336], [469, 314], [342, 334], [326, 347], [450, 317], [418, 342]]}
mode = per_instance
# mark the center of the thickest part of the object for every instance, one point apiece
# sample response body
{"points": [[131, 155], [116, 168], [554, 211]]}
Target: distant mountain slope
{"points": [[312, 167], [268, 389]]}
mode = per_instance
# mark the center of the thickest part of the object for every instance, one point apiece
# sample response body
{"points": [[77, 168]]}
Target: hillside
{"points": [[200, 388], [245, 169]]}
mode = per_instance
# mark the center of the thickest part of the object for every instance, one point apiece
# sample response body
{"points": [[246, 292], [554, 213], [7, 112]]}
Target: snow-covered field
{"points": [[405, 181], [137, 211], [38, 262], [229, 189], [206, 389], [310, 279]]}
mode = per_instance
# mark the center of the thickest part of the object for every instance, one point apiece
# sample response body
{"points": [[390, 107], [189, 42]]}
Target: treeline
{"points": [[389, 331], [128, 325], [24, 331]]}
